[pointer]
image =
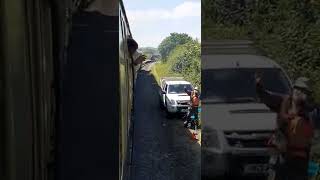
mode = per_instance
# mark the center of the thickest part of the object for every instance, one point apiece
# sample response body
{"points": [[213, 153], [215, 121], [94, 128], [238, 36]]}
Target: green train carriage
{"points": [[35, 39]]}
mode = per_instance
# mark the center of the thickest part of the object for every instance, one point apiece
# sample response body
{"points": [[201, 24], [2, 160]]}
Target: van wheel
{"points": [[169, 114], [161, 104]]}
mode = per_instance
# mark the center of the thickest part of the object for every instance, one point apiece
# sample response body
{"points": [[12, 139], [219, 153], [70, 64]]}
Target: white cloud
{"points": [[150, 26], [183, 10]]}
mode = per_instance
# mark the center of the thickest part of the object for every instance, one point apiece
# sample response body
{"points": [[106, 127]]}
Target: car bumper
{"points": [[219, 164], [177, 109], [213, 164]]}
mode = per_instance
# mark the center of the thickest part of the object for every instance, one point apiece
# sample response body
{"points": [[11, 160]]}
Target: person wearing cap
{"points": [[294, 126], [137, 56]]}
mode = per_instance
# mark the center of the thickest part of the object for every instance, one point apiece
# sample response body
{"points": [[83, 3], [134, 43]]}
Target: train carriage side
{"points": [[127, 79], [34, 37], [32, 33]]}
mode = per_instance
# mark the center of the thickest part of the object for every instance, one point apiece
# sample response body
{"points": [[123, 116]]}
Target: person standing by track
{"points": [[295, 128], [194, 102]]}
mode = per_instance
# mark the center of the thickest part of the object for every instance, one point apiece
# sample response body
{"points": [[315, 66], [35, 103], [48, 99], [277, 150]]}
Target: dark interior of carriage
{"points": [[59, 89], [88, 95]]}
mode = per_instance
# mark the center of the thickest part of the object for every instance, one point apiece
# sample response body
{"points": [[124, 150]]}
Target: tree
{"points": [[149, 51], [185, 60], [170, 42], [287, 30]]}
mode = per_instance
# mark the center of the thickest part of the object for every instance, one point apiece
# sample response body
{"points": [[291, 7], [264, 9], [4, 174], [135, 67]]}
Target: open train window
{"points": [[2, 124], [2, 104]]}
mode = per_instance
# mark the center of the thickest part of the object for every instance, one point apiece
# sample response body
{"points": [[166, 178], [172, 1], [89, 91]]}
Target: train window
{"points": [[123, 30], [124, 43], [2, 111], [2, 124], [122, 37]]}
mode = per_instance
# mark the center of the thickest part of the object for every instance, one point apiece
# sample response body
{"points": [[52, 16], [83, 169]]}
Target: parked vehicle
{"points": [[236, 126], [172, 95]]}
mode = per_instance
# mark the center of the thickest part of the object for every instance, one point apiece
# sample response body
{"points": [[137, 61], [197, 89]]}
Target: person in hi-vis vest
{"points": [[194, 101]]}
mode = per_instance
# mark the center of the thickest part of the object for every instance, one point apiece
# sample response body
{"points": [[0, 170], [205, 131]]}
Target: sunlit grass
{"points": [[161, 69]]}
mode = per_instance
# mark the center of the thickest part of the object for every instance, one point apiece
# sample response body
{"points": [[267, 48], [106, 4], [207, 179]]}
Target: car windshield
{"points": [[238, 85], [179, 88]]}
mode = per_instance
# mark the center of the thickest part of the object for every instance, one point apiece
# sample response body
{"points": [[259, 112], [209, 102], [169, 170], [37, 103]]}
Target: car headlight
{"points": [[171, 101], [210, 139]]}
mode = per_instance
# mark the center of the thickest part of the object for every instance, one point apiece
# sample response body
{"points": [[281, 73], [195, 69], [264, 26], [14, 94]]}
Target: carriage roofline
{"points": [[125, 16]]}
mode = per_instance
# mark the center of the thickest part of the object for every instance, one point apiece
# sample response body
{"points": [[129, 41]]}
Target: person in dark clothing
{"points": [[133, 46], [295, 128]]}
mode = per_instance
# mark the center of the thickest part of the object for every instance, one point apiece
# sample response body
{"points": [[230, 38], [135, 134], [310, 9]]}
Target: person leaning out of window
{"points": [[137, 56]]}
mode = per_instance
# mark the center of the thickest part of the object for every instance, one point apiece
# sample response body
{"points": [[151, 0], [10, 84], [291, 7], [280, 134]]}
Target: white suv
{"points": [[236, 125], [173, 96]]}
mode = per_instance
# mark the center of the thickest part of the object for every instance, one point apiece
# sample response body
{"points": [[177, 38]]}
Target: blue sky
{"points": [[153, 20]]}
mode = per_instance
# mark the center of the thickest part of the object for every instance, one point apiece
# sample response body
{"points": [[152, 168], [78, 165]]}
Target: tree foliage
{"points": [[170, 42], [149, 51], [287, 30], [185, 60]]}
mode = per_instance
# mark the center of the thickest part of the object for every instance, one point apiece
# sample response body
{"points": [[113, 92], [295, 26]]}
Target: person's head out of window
{"points": [[133, 46]]}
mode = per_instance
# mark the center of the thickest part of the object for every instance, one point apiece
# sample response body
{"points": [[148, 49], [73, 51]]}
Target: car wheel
{"points": [[169, 114], [161, 104]]}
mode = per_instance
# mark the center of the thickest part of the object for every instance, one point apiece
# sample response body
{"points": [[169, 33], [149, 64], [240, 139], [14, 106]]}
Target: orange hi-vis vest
{"points": [[194, 101]]}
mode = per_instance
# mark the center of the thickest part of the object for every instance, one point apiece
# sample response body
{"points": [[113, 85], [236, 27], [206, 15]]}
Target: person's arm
{"points": [[187, 91], [270, 99], [139, 60]]}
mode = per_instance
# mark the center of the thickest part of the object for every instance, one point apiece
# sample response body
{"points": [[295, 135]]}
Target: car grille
{"points": [[180, 108], [185, 103], [210, 139], [251, 159], [239, 162], [248, 139]]}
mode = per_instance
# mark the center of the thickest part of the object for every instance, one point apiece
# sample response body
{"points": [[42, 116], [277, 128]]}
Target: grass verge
{"points": [[161, 69]]}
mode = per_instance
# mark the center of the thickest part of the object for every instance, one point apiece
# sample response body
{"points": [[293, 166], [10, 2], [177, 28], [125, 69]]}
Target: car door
{"points": [[164, 94], [161, 90]]}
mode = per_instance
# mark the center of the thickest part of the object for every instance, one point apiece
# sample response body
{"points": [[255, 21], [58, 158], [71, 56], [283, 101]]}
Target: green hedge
{"points": [[287, 30], [185, 60]]}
